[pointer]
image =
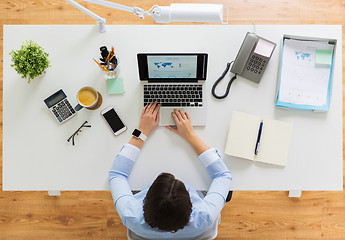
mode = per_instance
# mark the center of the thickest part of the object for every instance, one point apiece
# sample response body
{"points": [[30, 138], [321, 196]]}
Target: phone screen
{"points": [[264, 48], [113, 120]]}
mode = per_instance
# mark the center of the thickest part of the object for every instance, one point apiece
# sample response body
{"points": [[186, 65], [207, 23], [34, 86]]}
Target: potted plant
{"points": [[31, 61]]}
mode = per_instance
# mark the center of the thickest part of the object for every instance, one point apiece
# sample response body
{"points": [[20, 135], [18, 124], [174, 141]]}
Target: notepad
{"points": [[243, 133], [115, 86], [323, 57]]}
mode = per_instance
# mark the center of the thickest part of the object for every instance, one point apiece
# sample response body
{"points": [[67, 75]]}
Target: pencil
{"points": [[107, 56], [100, 65], [113, 53], [97, 63]]}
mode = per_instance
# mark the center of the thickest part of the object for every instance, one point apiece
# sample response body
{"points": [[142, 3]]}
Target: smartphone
{"points": [[113, 120]]}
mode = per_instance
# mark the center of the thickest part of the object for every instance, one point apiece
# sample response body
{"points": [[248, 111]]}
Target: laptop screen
{"points": [[187, 67], [179, 66]]}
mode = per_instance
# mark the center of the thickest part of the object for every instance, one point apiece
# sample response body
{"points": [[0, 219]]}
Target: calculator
{"points": [[60, 107]]}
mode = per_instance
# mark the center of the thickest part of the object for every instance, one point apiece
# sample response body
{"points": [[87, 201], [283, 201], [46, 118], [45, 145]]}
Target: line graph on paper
{"points": [[304, 88]]}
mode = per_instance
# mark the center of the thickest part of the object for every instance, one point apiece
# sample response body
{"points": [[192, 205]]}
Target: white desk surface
{"points": [[37, 156]]}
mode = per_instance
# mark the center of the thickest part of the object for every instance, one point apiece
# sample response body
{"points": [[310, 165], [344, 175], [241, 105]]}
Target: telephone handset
{"points": [[250, 62], [253, 57]]}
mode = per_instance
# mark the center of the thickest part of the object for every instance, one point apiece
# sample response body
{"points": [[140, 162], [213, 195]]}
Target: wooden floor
{"points": [[250, 215]]}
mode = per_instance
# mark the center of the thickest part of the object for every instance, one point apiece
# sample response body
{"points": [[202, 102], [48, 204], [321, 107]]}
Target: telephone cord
{"points": [[219, 79]]}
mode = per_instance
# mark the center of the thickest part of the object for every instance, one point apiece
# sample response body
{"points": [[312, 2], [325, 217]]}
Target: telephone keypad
{"points": [[256, 64]]}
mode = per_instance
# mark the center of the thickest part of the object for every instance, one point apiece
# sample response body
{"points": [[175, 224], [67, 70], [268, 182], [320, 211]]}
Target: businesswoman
{"points": [[168, 208]]}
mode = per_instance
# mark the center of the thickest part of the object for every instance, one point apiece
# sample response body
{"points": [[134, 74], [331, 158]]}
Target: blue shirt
{"points": [[204, 210]]}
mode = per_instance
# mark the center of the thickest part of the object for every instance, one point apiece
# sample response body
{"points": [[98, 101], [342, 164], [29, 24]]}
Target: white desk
{"points": [[37, 156]]}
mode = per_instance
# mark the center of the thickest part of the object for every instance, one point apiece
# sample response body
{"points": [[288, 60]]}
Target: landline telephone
{"points": [[250, 62]]}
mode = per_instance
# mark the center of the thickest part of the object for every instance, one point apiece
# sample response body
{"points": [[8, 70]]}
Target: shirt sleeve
{"points": [[118, 176], [221, 181]]}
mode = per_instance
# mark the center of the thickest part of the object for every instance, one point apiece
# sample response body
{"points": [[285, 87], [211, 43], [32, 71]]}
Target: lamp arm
{"points": [[137, 11], [98, 19], [164, 14]]}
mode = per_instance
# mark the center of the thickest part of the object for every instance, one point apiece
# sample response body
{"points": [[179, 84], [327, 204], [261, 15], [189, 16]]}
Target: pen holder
{"points": [[113, 72], [108, 62]]}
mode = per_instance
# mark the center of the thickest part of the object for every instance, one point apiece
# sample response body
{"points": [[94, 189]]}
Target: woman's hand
{"points": [[184, 126], [149, 118]]}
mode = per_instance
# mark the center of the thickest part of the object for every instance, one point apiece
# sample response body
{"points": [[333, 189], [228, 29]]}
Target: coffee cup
{"points": [[87, 97]]}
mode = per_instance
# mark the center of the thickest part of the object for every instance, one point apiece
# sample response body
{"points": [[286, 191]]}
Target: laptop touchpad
{"points": [[165, 117]]}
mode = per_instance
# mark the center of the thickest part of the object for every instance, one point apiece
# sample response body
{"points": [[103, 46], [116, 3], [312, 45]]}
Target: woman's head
{"points": [[167, 204]]}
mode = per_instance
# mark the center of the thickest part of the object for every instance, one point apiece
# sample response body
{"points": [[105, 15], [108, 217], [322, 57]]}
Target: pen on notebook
{"points": [[257, 145]]}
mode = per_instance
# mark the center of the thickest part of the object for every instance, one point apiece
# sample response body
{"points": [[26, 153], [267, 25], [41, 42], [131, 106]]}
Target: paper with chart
{"points": [[302, 80]]}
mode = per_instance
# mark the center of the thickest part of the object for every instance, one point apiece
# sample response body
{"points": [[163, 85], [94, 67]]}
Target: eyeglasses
{"points": [[77, 132]]}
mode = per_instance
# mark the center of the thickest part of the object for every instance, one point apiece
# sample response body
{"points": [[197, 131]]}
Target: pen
{"points": [[257, 145]]}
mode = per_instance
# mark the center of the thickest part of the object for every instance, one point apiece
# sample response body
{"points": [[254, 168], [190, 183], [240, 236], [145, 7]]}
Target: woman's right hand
{"points": [[184, 126]]}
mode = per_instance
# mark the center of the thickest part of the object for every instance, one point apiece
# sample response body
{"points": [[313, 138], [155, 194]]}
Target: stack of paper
{"points": [[305, 77]]}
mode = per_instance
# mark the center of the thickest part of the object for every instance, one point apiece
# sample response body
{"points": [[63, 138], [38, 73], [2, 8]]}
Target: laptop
{"points": [[175, 81]]}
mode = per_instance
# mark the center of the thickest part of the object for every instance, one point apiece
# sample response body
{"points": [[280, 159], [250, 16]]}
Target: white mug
{"points": [[87, 97]]}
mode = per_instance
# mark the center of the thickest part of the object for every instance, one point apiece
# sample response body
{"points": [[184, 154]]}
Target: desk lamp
{"points": [[183, 12]]}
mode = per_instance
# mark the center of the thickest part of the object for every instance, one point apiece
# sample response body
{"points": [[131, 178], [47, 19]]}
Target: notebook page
{"points": [[242, 135], [275, 142]]}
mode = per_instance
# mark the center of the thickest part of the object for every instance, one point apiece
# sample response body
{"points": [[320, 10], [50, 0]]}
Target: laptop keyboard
{"points": [[182, 95]]}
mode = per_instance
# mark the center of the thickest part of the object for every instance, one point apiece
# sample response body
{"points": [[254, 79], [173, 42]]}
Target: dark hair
{"points": [[167, 204]]}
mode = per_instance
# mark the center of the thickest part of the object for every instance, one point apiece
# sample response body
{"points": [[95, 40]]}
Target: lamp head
{"points": [[188, 13]]}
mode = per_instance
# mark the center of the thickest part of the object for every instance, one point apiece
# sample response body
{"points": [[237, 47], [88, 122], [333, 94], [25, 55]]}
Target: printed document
{"points": [[303, 81]]}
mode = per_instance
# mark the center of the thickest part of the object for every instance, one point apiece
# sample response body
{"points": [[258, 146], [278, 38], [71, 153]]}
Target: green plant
{"points": [[30, 61]]}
